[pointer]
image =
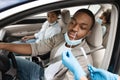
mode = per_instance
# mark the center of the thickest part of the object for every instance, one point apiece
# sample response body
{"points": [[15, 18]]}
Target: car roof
{"points": [[18, 6], [7, 4]]}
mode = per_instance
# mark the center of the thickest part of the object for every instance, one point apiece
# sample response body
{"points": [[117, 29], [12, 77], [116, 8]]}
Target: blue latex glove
{"points": [[100, 74], [72, 64]]}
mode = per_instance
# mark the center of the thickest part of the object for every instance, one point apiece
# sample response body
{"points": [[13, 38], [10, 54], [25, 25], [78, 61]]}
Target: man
{"points": [[49, 28], [78, 28]]}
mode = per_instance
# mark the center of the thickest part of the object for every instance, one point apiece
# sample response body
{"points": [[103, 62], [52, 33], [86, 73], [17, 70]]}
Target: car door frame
{"points": [[69, 3]]}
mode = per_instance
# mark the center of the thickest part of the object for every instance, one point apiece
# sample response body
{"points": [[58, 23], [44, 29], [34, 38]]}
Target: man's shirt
{"points": [[48, 30]]}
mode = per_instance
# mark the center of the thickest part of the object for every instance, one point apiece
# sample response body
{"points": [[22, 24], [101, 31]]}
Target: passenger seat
{"points": [[95, 41]]}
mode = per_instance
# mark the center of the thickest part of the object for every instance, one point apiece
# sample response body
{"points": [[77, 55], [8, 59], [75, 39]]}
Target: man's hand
{"points": [[72, 64], [25, 38], [100, 74]]}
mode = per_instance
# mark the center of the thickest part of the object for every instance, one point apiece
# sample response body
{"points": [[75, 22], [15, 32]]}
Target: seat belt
{"points": [[58, 58]]}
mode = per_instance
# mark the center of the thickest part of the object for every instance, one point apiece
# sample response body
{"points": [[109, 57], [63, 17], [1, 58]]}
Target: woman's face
{"points": [[80, 24]]}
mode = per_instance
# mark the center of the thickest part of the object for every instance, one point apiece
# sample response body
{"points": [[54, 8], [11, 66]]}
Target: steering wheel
{"points": [[6, 58]]}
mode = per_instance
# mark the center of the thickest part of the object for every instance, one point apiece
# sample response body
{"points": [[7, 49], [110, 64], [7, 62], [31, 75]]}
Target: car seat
{"points": [[95, 41], [105, 37], [65, 19]]}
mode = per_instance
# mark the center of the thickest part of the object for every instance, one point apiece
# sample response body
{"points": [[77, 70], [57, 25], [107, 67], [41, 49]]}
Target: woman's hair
{"points": [[107, 15]]}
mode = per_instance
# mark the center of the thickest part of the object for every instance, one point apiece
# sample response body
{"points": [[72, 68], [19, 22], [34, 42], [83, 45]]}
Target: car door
{"points": [[25, 27]]}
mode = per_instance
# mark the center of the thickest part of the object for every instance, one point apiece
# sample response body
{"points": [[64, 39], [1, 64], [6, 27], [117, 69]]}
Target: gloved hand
{"points": [[72, 64], [100, 74]]}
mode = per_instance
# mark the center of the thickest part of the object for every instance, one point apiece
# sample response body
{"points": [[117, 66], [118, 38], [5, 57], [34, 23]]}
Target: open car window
{"points": [[30, 22], [93, 8]]}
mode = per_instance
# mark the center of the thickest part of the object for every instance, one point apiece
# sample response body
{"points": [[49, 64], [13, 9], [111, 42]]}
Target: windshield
{"points": [[6, 4]]}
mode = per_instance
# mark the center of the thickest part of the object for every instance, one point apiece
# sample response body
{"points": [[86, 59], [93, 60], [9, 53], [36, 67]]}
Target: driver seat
{"points": [[65, 19], [95, 41]]}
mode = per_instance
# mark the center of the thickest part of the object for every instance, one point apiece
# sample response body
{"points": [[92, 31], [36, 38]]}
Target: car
{"points": [[25, 17]]}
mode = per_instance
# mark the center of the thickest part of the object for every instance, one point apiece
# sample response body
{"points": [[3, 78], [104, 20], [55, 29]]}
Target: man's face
{"points": [[80, 24], [51, 17]]}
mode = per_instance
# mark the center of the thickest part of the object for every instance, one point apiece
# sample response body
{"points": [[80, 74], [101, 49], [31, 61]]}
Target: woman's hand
{"points": [[73, 65], [100, 74]]}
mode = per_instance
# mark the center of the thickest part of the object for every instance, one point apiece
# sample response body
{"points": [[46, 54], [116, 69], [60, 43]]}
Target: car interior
{"points": [[32, 24]]}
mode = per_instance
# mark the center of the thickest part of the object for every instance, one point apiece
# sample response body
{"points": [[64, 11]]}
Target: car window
{"points": [[97, 10], [93, 8]]}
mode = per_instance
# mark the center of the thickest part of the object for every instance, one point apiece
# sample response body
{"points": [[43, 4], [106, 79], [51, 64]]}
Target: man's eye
{"points": [[83, 27]]}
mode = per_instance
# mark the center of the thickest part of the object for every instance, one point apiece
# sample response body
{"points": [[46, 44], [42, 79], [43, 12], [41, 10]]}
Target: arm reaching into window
{"points": [[95, 74], [100, 74], [72, 64]]}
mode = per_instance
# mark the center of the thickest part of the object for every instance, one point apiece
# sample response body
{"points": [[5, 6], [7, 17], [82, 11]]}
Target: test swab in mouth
{"points": [[73, 39]]}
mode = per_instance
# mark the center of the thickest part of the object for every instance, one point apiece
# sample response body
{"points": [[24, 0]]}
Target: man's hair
{"points": [[57, 12], [88, 12]]}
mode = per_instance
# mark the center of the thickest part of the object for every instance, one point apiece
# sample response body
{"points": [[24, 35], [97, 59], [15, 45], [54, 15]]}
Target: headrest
{"points": [[65, 14], [65, 19], [95, 39]]}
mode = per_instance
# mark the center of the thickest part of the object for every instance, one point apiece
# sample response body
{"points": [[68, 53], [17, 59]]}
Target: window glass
{"points": [[93, 8], [74, 9]]}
